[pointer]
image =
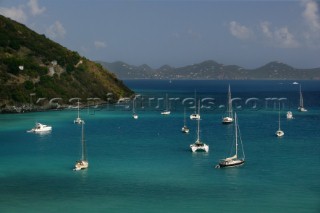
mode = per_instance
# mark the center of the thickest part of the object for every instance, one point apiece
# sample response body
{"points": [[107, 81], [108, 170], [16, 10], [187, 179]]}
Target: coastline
{"points": [[137, 84]]}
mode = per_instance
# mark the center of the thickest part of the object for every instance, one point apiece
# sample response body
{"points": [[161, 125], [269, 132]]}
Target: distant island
{"points": [[212, 70]]}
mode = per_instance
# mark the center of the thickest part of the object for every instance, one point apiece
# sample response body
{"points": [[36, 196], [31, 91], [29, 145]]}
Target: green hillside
{"points": [[33, 65]]}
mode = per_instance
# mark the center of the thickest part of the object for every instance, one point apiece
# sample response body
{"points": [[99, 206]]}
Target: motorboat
{"points": [[40, 128]]}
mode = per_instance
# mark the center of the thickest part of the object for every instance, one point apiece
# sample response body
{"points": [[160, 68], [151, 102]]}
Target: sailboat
{"points": [[301, 107], [166, 111], [184, 129], [199, 145], [289, 115], [234, 160], [83, 162], [78, 119], [229, 118], [279, 132], [195, 115], [134, 114]]}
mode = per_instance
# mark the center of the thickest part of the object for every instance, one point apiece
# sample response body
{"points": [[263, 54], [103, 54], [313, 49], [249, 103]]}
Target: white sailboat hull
{"points": [[78, 121], [194, 116], [289, 115], [227, 120], [279, 133], [199, 147], [302, 109], [185, 129], [82, 164], [165, 113], [231, 163], [135, 116]]}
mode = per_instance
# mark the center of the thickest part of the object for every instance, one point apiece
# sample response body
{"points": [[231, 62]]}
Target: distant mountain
{"points": [[126, 71], [32, 67], [212, 70]]}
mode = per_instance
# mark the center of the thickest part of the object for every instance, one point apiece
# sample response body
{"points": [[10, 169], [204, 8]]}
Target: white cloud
{"points": [[279, 37], [240, 31], [14, 13], [310, 14], [56, 30], [19, 13], [312, 20], [100, 44], [284, 38], [34, 7], [265, 27]]}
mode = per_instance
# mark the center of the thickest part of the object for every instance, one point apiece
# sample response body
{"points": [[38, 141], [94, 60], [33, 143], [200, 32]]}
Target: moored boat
{"points": [[229, 118], [40, 128], [289, 115], [83, 162], [185, 129], [301, 106], [234, 160], [199, 145], [134, 114], [78, 120], [279, 132], [166, 111], [195, 115]]}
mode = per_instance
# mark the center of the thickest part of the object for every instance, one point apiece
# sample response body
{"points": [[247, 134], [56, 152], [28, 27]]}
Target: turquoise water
{"points": [[145, 165]]}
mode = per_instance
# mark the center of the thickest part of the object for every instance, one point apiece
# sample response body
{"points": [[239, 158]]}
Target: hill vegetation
{"points": [[33, 65]]}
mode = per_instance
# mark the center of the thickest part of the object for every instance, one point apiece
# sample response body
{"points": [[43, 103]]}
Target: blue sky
{"points": [[247, 33]]}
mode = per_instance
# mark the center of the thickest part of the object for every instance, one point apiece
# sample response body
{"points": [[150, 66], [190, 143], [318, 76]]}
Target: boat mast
{"points": [[133, 106], [167, 102], [195, 101], [279, 116], [83, 145], [198, 132], [301, 98], [78, 110], [229, 103], [236, 133], [184, 117]]}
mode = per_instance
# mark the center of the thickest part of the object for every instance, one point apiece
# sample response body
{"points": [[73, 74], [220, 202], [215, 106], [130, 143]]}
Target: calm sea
{"points": [[146, 165]]}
